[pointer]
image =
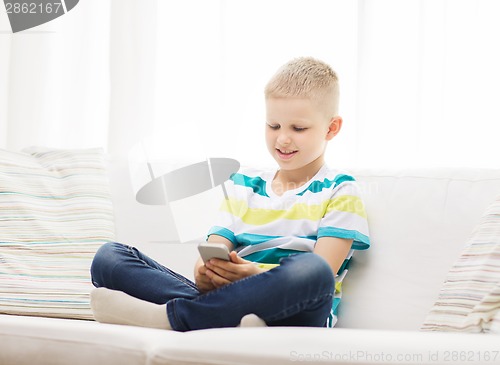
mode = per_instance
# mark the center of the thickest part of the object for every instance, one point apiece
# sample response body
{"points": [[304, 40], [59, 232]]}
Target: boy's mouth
{"points": [[286, 154]]}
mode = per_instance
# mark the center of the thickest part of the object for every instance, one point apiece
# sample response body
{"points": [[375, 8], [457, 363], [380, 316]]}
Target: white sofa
{"points": [[419, 222]]}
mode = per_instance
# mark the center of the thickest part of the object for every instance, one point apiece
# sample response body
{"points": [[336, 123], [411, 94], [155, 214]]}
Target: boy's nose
{"points": [[284, 139]]}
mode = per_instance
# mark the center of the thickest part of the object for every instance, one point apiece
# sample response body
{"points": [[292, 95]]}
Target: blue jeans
{"points": [[299, 292]]}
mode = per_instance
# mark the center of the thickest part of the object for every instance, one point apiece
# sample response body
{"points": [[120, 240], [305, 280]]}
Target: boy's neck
{"points": [[291, 179]]}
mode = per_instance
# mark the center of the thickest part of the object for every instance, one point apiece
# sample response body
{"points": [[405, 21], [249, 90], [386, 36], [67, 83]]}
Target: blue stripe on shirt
{"points": [[317, 186], [224, 232], [257, 184], [271, 255], [361, 241]]}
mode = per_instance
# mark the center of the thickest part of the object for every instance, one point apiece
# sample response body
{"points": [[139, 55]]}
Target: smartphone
{"points": [[213, 251]]}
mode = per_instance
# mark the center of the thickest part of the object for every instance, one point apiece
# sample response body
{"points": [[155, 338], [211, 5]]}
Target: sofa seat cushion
{"points": [[54, 341], [50, 341], [285, 345]]}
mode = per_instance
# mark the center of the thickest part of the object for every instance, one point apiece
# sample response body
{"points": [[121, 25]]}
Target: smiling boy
{"points": [[292, 231]]}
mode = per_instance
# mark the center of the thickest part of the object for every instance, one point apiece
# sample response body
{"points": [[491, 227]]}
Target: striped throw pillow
{"points": [[470, 296], [55, 212], [495, 323]]}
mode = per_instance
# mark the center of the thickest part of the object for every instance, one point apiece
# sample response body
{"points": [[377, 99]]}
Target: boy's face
{"points": [[297, 132]]}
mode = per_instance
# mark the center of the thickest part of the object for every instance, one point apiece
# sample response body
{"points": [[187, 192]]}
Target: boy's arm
{"points": [[204, 283], [334, 250]]}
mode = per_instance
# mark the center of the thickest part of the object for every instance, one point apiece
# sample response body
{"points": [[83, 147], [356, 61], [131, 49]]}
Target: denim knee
{"points": [[310, 268], [105, 259]]}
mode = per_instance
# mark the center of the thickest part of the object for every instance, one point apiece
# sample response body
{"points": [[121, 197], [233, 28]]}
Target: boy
{"points": [[289, 231]]}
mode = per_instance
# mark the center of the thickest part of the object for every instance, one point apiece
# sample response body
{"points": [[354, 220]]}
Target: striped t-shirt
{"points": [[265, 227]]}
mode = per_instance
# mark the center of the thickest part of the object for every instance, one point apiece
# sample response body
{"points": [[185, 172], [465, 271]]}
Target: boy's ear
{"points": [[334, 127]]}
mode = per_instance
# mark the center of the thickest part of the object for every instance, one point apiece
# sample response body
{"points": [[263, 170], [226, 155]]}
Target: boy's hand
{"points": [[203, 282], [222, 272]]}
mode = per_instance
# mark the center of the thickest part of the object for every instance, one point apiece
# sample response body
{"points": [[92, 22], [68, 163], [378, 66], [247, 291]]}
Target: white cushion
{"points": [[420, 219], [55, 212]]}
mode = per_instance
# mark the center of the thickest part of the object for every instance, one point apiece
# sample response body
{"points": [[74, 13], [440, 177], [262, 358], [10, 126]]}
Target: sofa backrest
{"points": [[419, 222]]}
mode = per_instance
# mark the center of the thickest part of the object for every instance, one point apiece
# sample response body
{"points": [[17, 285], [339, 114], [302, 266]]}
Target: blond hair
{"points": [[306, 77]]}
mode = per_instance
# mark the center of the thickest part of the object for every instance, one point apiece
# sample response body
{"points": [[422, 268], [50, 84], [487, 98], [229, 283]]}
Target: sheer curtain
{"points": [[428, 83], [83, 80], [54, 80], [419, 78], [216, 60], [419, 81]]}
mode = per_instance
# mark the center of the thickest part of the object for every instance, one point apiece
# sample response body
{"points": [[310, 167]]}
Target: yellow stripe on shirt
{"points": [[261, 216], [349, 204]]}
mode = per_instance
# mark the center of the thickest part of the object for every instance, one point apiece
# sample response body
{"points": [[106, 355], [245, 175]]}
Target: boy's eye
{"points": [[277, 126]]}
